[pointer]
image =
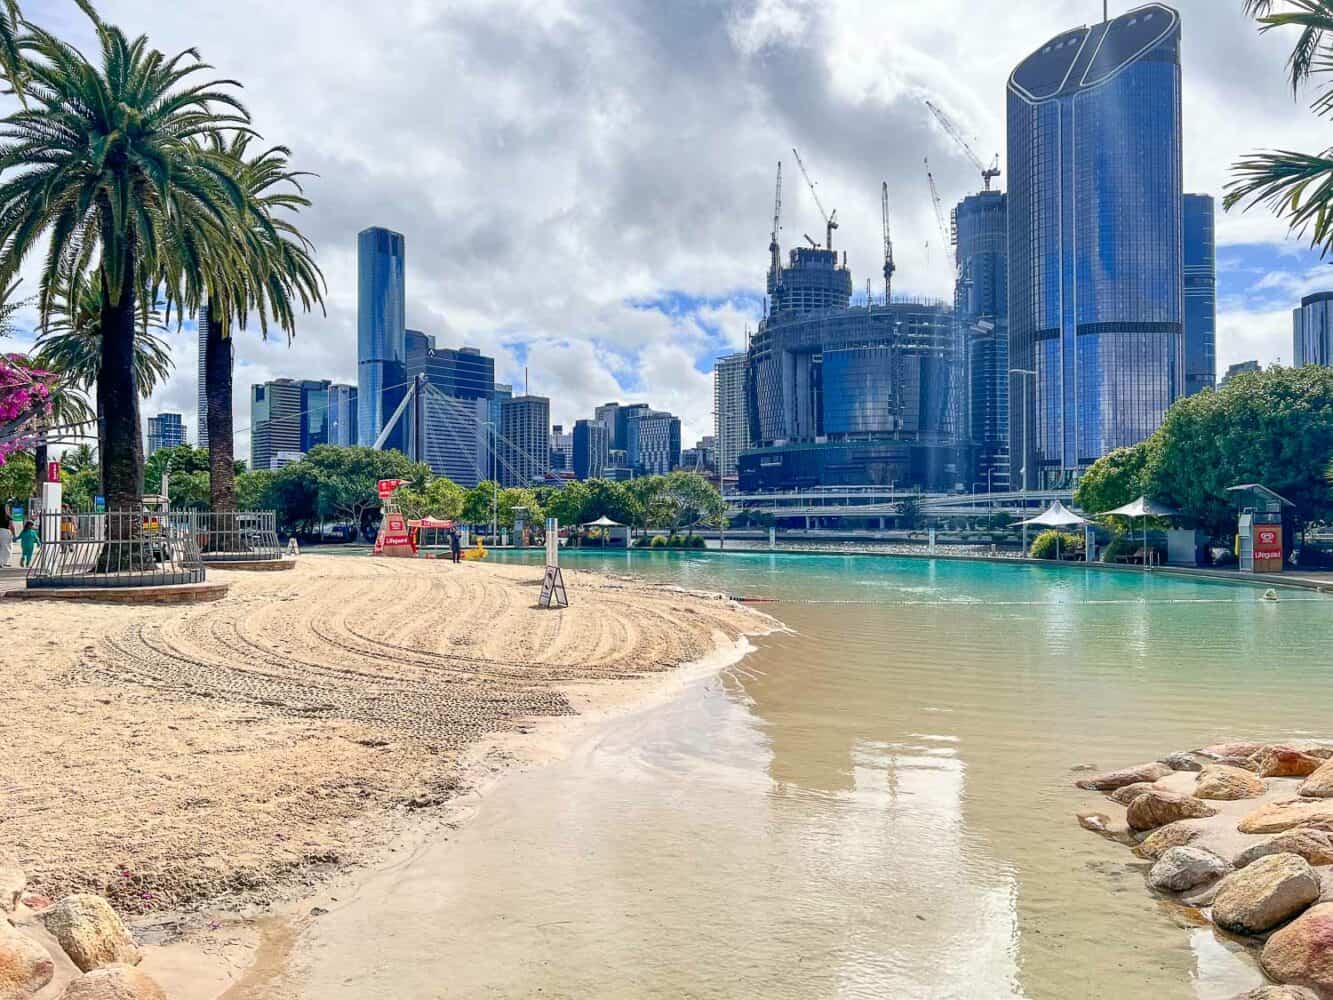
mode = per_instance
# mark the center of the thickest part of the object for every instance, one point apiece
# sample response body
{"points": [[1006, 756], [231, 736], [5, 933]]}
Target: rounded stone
{"points": [[1264, 894], [1180, 869]]}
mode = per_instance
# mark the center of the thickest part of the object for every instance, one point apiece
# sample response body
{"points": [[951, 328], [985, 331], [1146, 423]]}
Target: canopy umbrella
{"points": [[1144, 507], [602, 522], [1057, 515]]}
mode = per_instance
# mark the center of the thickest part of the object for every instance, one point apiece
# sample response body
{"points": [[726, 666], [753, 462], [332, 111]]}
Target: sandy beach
{"points": [[234, 753]]}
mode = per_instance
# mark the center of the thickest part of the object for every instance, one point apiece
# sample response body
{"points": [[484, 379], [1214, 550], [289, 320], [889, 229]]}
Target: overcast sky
{"points": [[586, 186]]}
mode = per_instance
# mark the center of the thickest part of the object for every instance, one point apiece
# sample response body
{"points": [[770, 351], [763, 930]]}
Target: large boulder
{"points": [[1282, 761], [90, 932], [1112, 780], [1266, 893], [1314, 845], [114, 982], [1279, 993], [1128, 793], [1222, 783], [25, 967], [1164, 838], [1320, 784], [1182, 761], [1234, 748], [1184, 868], [1156, 808], [12, 883], [1301, 954], [1278, 816]]}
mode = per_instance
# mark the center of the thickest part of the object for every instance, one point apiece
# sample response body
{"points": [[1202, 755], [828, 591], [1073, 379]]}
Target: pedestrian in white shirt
{"points": [[6, 545]]}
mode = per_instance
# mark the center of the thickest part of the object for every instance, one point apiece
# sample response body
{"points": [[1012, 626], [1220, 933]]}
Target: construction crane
{"points": [[773, 248], [888, 246], [987, 172], [939, 206], [830, 221]]}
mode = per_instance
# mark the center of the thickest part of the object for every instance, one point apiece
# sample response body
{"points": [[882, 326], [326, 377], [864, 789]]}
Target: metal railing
{"points": [[115, 549], [243, 536]]}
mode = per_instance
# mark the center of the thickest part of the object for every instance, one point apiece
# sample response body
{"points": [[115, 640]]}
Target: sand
{"points": [[231, 753]]}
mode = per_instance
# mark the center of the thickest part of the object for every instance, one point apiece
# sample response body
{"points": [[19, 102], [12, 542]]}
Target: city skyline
{"points": [[634, 286]]}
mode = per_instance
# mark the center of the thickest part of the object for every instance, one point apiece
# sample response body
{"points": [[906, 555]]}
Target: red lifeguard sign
{"points": [[387, 486], [1268, 548], [394, 539]]}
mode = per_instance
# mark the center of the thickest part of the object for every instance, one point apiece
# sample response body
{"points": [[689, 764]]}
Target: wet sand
{"points": [[237, 753]]}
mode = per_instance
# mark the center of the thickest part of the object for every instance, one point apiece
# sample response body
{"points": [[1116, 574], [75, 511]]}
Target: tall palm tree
{"points": [[105, 163], [1298, 186], [270, 271]]}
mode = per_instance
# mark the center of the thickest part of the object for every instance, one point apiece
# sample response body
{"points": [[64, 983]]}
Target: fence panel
{"points": [[115, 549], [243, 536]]}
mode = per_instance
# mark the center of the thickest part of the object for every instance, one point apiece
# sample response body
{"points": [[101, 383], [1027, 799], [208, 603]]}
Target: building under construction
{"points": [[841, 395]]}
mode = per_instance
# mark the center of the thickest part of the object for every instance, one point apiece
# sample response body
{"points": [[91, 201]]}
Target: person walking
{"points": [[455, 546], [6, 544], [28, 542]]}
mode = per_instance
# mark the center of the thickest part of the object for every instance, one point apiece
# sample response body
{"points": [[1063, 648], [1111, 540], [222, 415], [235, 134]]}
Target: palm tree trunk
{"points": [[40, 457], [118, 402], [218, 393]]}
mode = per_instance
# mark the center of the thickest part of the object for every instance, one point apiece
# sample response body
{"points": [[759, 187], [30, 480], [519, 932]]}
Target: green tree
{"points": [[567, 503], [184, 460], [692, 501], [253, 490], [346, 480], [1115, 479], [292, 492], [607, 498], [104, 163], [441, 498], [1297, 186], [17, 475], [477, 502]]}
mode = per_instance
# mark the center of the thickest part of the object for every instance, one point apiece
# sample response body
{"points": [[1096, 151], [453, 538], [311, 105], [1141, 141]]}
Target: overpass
{"points": [[886, 502]]}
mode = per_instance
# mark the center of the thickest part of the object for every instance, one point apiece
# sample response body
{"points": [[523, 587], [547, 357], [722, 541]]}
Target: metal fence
{"points": [[116, 549], [245, 536]]}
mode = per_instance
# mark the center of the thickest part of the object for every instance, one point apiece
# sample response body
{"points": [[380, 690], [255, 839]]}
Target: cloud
{"points": [[586, 186]]}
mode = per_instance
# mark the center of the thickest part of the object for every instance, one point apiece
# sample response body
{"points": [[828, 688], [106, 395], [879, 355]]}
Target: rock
{"points": [[25, 967], [90, 932], [1282, 761], [1220, 782], [12, 883], [1126, 794], [1156, 808], [1315, 846], [1164, 838], [1102, 824], [1181, 761], [1183, 868], [1320, 784], [1301, 954], [114, 982], [1112, 780], [1237, 748], [1279, 993], [1278, 816], [1267, 892]]}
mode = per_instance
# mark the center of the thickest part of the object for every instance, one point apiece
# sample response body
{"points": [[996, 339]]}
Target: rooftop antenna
{"points": [[830, 221], [1106, 14], [525, 380]]}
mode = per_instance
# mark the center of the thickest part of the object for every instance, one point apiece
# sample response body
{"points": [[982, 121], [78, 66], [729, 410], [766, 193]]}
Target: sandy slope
{"points": [[166, 756]]}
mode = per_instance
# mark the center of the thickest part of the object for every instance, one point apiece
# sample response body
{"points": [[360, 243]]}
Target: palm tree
{"points": [[1298, 186], [269, 271], [105, 161]]}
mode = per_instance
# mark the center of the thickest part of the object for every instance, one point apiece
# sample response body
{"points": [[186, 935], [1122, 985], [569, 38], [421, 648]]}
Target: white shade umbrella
{"points": [[1057, 515], [603, 522], [1144, 507]]}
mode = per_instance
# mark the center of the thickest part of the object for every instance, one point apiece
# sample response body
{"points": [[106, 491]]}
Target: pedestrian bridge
{"points": [[886, 502]]}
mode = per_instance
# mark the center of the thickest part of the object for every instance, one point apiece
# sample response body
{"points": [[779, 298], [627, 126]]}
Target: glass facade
{"points": [[381, 336], [653, 437], [166, 430], [1200, 294], [1096, 242], [525, 440], [342, 415], [275, 422], [591, 449], [1312, 331], [731, 424], [981, 305], [314, 413]]}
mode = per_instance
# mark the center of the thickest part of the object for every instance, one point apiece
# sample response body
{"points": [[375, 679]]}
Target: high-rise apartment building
{"points": [[381, 334], [1096, 270], [456, 408], [653, 439], [1312, 330], [166, 430], [731, 416], [275, 422], [525, 439], [606, 414], [591, 448], [981, 309], [342, 415], [314, 413], [562, 450], [1200, 294]]}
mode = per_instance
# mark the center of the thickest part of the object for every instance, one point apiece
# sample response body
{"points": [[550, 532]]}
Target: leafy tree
{"points": [[1115, 479], [17, 475], [253, 490], [567, 503], [692, 501], [608, 498], [346, 480], [291, 491], [183, 460], [477, 502], [104, 163], [441, 498], [1297, 186]]}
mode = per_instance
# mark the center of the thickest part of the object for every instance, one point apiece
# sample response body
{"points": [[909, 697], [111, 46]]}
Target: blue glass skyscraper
{"points": [[1200, 294], [981, 308], [1096, 269], [381, 348]]}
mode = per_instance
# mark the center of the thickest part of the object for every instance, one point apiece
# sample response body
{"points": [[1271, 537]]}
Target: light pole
{"points": [[495, 488], [1023, 471]]}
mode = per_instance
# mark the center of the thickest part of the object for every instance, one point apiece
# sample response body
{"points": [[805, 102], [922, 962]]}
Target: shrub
{"points": [[659, 542], [1045, 544]]}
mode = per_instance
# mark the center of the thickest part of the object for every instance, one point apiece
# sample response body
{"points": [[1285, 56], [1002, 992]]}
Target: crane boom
{"points": [[774, 249], [987, 172], [939, 205], [888, 245], [830, 221]]}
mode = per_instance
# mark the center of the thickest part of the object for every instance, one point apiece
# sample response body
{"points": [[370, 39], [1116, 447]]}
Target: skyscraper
{"points": [[456, 407], [381, 336], [166, 430], [1312, 330], [1200, 294], [562, 449], [275, 422], [314, 413], [591, 447], [981, 308], [525, 439], [1096, 269], [653, 438], [731, 419], [608, 414], [342, 415]]}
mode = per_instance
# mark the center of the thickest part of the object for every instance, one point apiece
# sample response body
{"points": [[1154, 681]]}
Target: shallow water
{"points": [[879, 805]]}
